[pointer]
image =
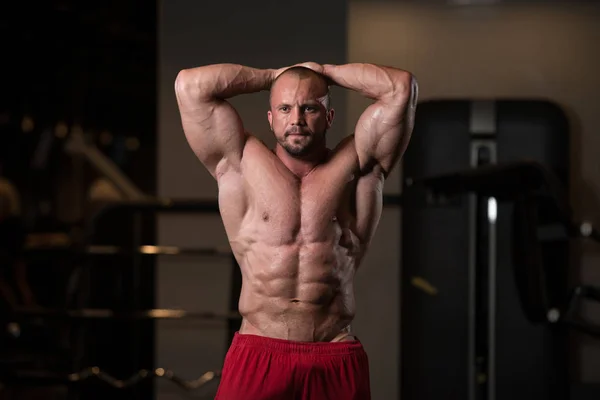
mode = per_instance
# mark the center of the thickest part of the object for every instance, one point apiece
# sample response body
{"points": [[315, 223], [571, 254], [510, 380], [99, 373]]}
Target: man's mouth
{"points": [[296, 132]]}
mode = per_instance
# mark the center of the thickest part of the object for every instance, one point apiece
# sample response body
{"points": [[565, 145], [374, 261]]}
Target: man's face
{"points": [[298, 116]]}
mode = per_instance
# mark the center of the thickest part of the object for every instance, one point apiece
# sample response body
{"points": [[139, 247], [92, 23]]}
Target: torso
{"points": [[297, 241]]}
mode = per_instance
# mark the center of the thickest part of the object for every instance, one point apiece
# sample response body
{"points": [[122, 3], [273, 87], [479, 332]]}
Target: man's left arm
{"points": [[384, 129]]}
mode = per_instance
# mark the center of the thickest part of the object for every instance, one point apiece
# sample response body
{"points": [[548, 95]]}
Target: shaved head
{"points": [[304, 73]]}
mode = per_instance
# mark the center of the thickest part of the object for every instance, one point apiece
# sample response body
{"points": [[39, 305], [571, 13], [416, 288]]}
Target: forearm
{"points": [[222, 81], [372, 81]]}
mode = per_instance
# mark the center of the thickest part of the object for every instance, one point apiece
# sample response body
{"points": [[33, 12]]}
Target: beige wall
{"points": [[526, 51]]}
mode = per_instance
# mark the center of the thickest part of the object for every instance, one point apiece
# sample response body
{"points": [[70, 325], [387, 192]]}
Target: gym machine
{"points": [[486, 221]]}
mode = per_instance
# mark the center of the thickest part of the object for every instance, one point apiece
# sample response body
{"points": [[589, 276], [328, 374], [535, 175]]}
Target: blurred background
{"points": [[116, 278]]}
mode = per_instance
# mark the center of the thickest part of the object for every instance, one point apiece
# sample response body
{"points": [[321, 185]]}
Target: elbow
{"points": [[190, 83], [183, 81], [405, 87]]}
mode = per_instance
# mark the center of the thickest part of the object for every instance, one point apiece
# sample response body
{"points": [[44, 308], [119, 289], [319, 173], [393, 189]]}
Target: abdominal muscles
{"points": [[296, 291]]}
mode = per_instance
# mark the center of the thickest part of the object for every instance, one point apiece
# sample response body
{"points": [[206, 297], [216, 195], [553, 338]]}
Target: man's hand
{"points": [[309, 64], [313, 65]]}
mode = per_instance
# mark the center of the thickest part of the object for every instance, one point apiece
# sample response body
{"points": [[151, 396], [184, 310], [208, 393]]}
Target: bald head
{"points": [[303, 74]]}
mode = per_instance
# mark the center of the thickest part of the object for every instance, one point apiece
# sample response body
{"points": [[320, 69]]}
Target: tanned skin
{"points": [[300, 217]]}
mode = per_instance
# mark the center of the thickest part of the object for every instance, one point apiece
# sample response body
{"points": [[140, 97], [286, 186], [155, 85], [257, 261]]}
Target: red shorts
{"points": [[260, 368]]}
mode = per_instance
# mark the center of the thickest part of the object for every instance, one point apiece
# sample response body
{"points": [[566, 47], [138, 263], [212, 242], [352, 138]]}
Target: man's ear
{"points": [[270, 118], [330, 117]]}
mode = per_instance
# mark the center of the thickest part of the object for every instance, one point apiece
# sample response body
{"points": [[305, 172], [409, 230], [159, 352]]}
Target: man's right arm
{"points": [[212, 127]]}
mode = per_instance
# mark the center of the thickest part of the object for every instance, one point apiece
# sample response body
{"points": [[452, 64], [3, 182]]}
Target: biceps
{"points": [[382, 134], [215, 133]]}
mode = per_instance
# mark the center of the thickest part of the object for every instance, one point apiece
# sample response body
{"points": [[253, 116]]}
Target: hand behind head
{"points": [[318, 68], [310, 65]]}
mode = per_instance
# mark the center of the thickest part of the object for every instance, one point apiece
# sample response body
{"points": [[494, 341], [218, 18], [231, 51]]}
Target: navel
{"points": [[265, 216]]}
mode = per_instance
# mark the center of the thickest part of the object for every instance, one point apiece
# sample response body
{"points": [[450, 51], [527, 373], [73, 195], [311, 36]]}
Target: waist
{"points": [[306, 328], [270, 344], [297, 320]]}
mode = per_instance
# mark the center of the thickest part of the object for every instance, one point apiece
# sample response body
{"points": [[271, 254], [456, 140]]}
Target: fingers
{"points": [[313, 65], [308, 64], [327, 68]]}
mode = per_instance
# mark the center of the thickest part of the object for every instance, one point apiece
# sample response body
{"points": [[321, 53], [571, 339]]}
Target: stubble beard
{"points": [[303, 149]]}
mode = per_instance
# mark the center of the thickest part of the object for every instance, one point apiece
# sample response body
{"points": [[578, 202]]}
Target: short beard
{"points": [[303, 151]]}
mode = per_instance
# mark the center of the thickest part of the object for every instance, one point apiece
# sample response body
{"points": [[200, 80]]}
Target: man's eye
{"points": [[310, 109], [285, 109]]}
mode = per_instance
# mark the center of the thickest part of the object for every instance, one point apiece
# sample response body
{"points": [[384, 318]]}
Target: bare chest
{"points": [[314, 209]]}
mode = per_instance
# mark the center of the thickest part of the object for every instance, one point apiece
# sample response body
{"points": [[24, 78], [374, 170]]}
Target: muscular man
{"points": [[299, 217]]}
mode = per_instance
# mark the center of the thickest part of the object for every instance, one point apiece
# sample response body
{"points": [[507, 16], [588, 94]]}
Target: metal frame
{"points": [[91, 250], [483, 133], [137, 252]]}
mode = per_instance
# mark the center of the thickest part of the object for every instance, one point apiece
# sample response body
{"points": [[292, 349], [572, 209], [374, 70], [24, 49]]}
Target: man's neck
{"points": [[301, 166]]}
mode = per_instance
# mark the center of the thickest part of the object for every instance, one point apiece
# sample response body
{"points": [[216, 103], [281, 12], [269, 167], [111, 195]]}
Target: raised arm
{"points": [[212, 127], [384, 129]]}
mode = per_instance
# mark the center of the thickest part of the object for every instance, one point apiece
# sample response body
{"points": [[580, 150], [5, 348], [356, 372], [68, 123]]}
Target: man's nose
{"points": [[297, 116]]}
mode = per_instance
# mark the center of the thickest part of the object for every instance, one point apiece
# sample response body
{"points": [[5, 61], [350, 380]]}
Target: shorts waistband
{"points": [[288, 346]]}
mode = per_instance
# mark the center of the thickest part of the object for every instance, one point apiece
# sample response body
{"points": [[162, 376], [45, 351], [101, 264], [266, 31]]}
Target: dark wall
{"points": [[70, 67], [73, 68]]}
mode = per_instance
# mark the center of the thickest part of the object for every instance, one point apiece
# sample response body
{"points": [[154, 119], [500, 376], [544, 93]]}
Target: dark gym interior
{"points": [[117, 280]]}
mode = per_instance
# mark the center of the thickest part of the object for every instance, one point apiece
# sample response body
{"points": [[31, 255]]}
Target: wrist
{"points": [[329, 72], [328, 68], [271, 75]]}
